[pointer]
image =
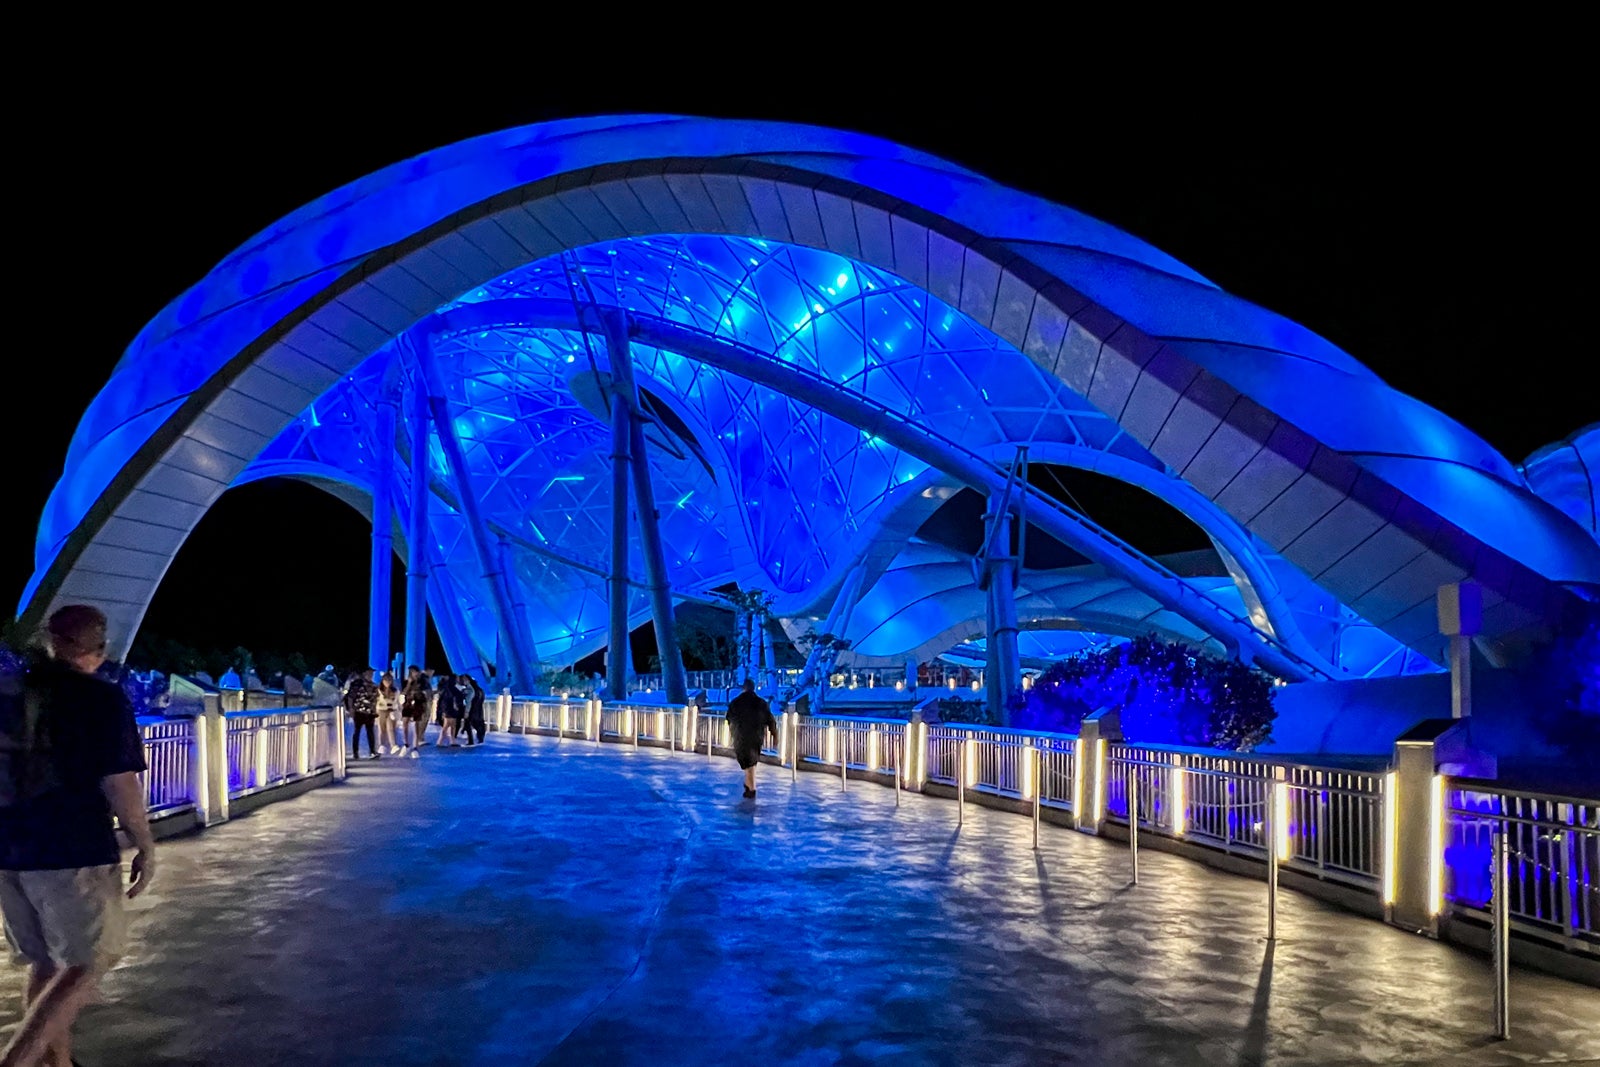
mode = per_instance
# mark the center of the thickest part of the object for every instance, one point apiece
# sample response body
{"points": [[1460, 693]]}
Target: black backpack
{"points": [[27, 768]]}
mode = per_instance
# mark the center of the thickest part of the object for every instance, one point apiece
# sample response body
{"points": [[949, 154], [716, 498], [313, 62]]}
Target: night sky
{"points": [[1429, 237]]}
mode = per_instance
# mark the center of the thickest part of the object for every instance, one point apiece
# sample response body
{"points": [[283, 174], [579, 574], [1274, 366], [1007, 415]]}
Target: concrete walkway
{"points": [[535, 903]]}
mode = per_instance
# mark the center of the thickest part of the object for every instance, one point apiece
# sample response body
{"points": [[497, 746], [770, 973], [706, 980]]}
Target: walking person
{"points": [[474, 723], [70, 759], [361, 701], [449, 708], [749, 721], [388, 707], [414, 707]]}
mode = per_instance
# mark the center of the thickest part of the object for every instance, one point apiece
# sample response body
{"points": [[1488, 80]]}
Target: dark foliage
{"points": [[1168, 693]]}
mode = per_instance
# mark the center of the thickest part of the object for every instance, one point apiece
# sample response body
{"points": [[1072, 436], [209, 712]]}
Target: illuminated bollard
{"points": [[1180, 811], [872, 747], [262, 738], [303, 749]]}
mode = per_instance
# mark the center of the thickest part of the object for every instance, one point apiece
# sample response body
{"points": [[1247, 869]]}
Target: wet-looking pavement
{"points": [[541, 903]]}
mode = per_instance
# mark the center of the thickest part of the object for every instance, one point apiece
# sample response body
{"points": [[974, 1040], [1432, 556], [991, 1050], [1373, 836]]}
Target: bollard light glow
{"points": [[1029, 753], [872, 748], [833, 743], [202, 780], [922, 754], [261, 758], [1280, 820], [1436, 847], [1077, 777], [1180, 810], [971, 763], [1390, 846], [1099, 779]]}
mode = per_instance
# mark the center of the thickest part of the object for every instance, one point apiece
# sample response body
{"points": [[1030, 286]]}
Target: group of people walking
{"points": [[396, 720]]}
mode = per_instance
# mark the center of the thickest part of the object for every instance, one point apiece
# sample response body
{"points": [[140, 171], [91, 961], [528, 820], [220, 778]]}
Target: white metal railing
{"points": [[1552, 858], [1329, 821], [270, 748], [169, 757]]}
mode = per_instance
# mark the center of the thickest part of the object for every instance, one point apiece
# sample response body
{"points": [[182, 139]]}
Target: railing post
{"points": [[1132, 789], [900, 763], [794, 752], [1272, 859], [1500, 935], [217, 749], [340, 757], [1414, 849], [1176, 796], [1090, 770], [961, 781], [844, 760], [1036, 761]]}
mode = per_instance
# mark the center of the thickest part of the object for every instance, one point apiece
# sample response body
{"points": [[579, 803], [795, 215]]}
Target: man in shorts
{"points": [[749, 720], [70, 758]]}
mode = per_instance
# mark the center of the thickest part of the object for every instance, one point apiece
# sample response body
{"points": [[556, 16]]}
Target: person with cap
{"points": [[70, 759], [749, 721]]}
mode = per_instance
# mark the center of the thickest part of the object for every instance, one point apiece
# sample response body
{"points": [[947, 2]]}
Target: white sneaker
{"points": [[415, 754]]}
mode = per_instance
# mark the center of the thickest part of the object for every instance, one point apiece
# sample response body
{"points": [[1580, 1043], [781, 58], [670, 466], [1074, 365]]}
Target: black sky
{"points": [[1440, 237]]}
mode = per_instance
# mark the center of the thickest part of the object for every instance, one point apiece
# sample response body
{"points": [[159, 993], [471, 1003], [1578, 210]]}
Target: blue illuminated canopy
{"points": [[813, 275]]}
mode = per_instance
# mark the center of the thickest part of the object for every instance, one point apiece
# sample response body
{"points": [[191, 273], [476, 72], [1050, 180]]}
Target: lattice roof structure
{"points": [[831, 333]]}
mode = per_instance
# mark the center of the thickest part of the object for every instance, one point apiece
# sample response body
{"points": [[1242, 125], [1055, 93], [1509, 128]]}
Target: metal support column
{"points": [[524, 663], [378, 606], [417, 535], [621, 459], [625, 396]]}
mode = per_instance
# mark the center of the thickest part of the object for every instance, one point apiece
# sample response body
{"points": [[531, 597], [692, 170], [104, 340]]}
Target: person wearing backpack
{"points": [[415, 701], [749, 721], [449, 709], [70, 759], [361, 701], [474, 724]]}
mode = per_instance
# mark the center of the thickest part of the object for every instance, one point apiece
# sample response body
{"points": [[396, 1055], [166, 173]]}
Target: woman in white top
{"points": [[388, 709]]}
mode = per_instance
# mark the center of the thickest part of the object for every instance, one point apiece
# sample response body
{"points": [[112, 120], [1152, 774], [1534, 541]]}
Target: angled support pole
{"points": [[524, 663], [625, 397], [378, 606], [417, 534], [617, 647], [998, 575]]}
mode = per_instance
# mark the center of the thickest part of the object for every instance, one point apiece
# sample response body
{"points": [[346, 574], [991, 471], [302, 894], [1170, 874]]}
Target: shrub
{"points": [[1168, 693]]}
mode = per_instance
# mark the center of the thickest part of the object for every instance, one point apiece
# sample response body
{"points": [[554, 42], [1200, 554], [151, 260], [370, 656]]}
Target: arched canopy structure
{"points": [[828, 331]]}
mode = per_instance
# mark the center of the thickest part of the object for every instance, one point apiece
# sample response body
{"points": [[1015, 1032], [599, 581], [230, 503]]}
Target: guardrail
{"points": [[1552, 860], [169, 758], [269, 749], [197, 766]]}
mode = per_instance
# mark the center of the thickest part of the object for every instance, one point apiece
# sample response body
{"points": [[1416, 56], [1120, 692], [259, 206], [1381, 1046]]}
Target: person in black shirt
{"points": [[749, 720], [449, 711], [70, 758], [414, 707], [361, 701], [474, 722]]}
